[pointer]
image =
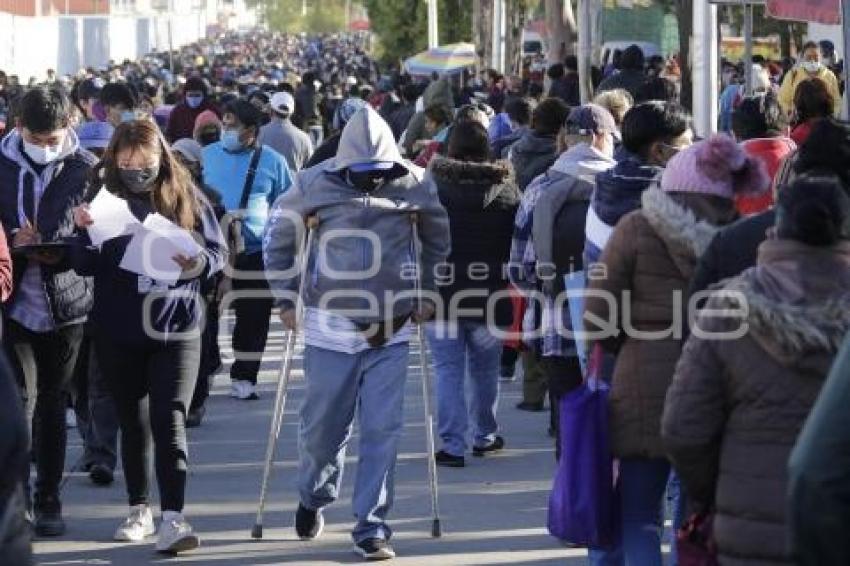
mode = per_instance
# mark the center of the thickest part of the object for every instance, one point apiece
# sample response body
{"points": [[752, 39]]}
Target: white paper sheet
{"points": [[153, 247], [111, 216], [164, 228]]}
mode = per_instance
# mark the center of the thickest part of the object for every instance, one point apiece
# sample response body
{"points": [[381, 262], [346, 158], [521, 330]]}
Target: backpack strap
{"points": [[249, 178]]}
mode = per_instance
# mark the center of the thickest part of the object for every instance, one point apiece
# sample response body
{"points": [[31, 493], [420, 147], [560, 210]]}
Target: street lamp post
{"points": [[171, 36], [845, 33], [433, 35], [585, 48], [497, 58], [748, 48]]}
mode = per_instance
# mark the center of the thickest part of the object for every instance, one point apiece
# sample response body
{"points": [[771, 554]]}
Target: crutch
{"points": [[283, 378], [436, 530]]}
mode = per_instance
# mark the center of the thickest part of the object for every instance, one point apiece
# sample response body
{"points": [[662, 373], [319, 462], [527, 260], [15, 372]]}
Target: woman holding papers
{"points": [[148, 269]]}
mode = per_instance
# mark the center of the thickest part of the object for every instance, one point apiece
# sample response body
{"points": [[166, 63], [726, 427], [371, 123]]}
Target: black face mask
{"points": [[209, 137], [368, 181], [139, 180]]}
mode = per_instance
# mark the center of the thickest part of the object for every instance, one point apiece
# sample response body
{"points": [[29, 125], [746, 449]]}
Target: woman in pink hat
{"points": [[648, 264]]}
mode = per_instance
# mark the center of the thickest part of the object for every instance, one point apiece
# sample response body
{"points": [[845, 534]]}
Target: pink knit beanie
{"points": [[716, 166]]}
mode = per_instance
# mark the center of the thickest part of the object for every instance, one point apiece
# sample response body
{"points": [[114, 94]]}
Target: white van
{"points": [[532, 43]]}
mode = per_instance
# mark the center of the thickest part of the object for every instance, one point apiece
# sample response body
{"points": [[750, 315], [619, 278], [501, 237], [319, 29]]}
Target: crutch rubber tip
{"points": [[257, 531], [436, 530]]}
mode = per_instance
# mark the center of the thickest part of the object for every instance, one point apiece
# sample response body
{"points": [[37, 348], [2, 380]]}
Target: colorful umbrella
{"points": [[444, 59]]}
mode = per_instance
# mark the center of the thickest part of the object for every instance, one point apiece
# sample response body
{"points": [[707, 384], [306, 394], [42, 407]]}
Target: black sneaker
{"points": [[448, 460], [309, 523], [530, 406], [494, 446], [374, 549], [195, 417], [48, 516], [101, 474]]}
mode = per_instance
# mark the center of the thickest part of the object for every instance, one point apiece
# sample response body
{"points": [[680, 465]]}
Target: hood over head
{"points": [[458, 172], [533, 144], [686, 224], [366, 139], [797, 301], [583, 161], [11, 147], [439, 93]]}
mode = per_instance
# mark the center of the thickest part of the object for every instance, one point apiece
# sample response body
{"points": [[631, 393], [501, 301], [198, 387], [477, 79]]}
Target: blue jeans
{"points": [[457, 347], [643, 483], [372, 384]]}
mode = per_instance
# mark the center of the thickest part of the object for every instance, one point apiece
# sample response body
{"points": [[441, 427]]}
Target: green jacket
{"points": [[819, 474]]}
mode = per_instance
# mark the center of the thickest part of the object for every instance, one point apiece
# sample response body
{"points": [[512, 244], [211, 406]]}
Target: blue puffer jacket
{"points": [[618, 192]]}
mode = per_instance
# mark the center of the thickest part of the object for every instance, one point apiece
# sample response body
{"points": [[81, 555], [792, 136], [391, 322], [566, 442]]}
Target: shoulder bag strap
{"points": [[249, 179]]}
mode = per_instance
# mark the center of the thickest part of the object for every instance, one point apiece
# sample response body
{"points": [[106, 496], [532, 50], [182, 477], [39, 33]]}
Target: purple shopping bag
{"points": [[583, 505]]}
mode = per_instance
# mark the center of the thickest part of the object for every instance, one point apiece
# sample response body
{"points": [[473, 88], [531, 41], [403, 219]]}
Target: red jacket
{"points": [[772, 152], [801, 133], [181, 123]]}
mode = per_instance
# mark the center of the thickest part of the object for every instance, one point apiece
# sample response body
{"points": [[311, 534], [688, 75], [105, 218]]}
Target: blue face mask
{"points": [[194, 101], [128, 116], [230, 140]]}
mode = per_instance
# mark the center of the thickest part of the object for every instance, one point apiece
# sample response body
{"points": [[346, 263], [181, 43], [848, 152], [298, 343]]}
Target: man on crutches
{"points": [[360, 292]]}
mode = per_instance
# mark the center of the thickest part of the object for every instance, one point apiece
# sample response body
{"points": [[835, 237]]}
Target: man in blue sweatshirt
{"points": [[652, 133], [249, 178]]}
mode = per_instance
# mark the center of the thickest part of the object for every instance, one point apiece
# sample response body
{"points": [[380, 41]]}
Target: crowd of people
{"points": [[717, 274]]}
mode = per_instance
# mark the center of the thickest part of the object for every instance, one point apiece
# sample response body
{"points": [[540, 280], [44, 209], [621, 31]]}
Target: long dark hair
{"points": [[173, 194], [812, 100]]}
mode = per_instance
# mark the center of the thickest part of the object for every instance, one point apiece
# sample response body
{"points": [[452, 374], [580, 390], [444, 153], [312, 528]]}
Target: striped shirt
{"points": [[330, 331]]}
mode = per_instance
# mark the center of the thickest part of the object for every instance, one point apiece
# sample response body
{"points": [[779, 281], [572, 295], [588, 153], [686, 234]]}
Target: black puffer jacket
{"points": [[68, 294], [481, 200]]}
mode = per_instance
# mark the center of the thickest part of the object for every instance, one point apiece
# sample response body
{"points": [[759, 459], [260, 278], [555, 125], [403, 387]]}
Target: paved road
{"points": [[493, 510]]}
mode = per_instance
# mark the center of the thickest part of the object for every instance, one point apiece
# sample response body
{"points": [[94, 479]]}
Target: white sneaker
{"points": [[176, 536], [243, 390], [137, 525], [70, 418]]}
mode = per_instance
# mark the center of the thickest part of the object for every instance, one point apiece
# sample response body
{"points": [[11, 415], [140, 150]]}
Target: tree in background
{"points": [[323, 16], [561, 25], [402, 25], [684, 10]]}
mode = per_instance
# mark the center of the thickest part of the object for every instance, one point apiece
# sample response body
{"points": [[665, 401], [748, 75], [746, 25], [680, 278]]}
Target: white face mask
{"points": [[42, 155], [811, 66]]}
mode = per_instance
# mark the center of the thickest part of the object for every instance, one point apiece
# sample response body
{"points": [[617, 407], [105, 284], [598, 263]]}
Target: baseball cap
{"points": [[283, 102], [95, 135], [591, 119]]}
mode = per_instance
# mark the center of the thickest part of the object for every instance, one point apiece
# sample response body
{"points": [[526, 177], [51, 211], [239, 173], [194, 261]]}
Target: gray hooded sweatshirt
{"points": [[360, 263]]}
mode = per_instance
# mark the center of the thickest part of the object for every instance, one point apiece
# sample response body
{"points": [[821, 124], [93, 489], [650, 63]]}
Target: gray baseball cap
{"points": [[591, 119]]}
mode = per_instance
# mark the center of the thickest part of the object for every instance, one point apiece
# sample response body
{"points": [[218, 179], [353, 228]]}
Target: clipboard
{"points": [[44, 247]]}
